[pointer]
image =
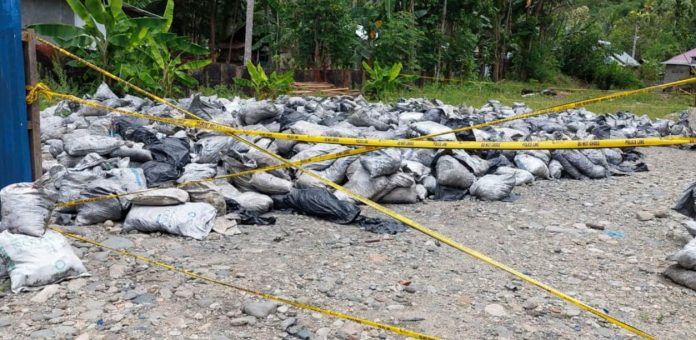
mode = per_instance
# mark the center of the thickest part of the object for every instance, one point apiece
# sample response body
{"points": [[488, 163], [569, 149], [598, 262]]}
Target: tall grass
{"points": [[654, 104]]}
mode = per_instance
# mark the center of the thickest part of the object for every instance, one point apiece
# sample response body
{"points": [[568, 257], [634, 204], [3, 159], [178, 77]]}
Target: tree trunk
{"points": [[249, 32], [212, 48], [439, 48], [635, 41], [496, 48]]}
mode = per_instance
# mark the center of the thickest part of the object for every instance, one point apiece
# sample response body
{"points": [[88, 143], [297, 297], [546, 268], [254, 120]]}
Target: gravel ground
{"points": [[552, 233]]}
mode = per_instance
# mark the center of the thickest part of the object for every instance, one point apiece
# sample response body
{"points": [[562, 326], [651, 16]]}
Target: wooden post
{"points": [[31, 76]]}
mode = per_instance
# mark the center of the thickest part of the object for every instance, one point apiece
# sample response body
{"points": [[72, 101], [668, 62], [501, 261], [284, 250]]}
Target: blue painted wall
{"points": [[15, 160]]}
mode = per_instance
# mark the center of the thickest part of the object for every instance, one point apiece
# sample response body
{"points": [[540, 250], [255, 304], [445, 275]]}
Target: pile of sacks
{"points": [[683, 271], [83, 145], [89, 153], [30, 255]]}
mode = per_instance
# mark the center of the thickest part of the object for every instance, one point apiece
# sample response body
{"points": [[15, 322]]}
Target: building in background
{"points": [[679, 67], [47, 11]]}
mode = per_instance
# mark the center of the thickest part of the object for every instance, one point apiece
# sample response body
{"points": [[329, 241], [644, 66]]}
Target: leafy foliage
{"points": [[265, 86], [58, 79], [527, 40], [399, 40], [384, 80], [141, 50]]}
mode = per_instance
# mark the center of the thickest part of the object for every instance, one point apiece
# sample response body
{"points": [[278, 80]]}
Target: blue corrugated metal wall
{"points": [[15, 160]]}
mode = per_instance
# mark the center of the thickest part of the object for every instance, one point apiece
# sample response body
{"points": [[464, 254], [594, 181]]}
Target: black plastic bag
{"points": [[381, 226], [133, 129], [159, 172], [321, 203], [171, 150], [125, 125], [248, 217], [253, 217], [686, 205], [601, 131], [143, 135], [445, 193], [203, 109], [632, 167]]}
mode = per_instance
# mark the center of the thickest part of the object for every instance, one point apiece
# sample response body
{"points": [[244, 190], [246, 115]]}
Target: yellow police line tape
{"points": [[382, 143], [297, 304], [391, 213]]}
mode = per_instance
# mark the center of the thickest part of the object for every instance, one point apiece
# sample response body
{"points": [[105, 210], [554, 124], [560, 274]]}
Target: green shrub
{"points": [[265, 86], [222, 91], [612, 75], [139, 50], [384, 80]]}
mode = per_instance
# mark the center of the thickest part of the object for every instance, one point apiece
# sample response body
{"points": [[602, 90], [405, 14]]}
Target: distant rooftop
{"points": [[682, 59], [625, 59]]}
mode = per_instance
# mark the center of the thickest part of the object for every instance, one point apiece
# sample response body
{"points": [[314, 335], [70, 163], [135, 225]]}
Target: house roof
{"points": [[625, 59], [682, 59]]}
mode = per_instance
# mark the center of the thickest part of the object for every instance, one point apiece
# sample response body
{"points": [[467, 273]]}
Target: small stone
{"points": [[184, 293], [410, 289], [226, 226], [42, 334], [45, 294], [304, 334], [108, 224], [495, 310], [571, 311], [144, 299], [579, 225], [101, 256], [661, 213], [349, 331], [243, 321], [129, 295], [644, 216], [76, 284], [118, 242], [165, 293], [323, 333], [117, 271], [283, 309], [287, 323], [464, 300], [259, 309], [83, 336], [63, 332], [326, 285], [596, 225]]}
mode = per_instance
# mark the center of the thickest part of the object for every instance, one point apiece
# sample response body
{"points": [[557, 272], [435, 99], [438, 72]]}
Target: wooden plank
{"points": [[31, 76]]}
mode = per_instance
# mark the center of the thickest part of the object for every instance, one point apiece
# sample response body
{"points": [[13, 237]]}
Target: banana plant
{"points": [[266, 86], [140, 50], [384, 80], [166, 50], [106, 31]]}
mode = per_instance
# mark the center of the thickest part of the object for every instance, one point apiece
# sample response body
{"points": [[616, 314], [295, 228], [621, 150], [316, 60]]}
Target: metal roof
{"points": [[682, 59], [625, 59]]}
